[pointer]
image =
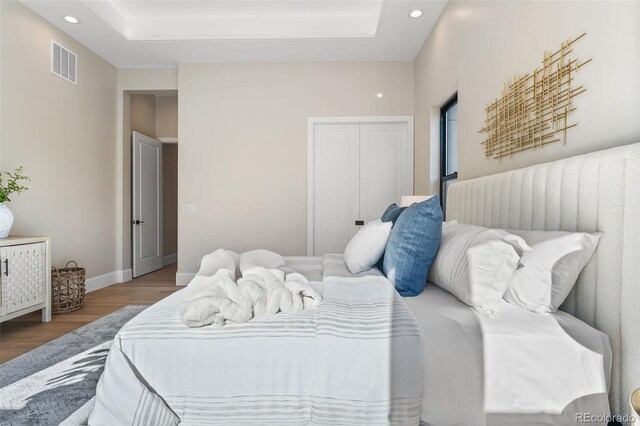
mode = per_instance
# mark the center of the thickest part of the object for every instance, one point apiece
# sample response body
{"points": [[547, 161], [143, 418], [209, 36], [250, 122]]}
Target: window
{"points": [[448, 147]]}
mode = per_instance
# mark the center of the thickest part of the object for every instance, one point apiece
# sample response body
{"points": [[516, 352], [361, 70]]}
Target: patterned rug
{"points": [[56, 382]]}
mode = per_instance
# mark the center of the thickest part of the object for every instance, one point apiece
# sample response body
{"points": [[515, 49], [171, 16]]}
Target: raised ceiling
{"points": [[238, 20], [163, 33]]}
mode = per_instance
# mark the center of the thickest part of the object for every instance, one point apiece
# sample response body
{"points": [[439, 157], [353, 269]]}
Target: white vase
{"points": [[6, 220]]}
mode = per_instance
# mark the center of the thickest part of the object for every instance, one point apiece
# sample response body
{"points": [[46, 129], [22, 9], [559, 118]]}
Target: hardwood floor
{"points": [[25, 333]]}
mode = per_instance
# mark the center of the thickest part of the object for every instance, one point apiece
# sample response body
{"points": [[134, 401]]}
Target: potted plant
{"points": [[11, 186]]}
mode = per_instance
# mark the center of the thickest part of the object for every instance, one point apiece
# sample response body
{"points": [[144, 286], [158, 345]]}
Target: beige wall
{"points": [[243, 145], [64, 136], [170, 197], [476, 46], [166, 116], [143, 114]]}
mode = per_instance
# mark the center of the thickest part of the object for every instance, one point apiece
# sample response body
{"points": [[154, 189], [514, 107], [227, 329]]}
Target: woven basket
{"points": [[67, 288]]}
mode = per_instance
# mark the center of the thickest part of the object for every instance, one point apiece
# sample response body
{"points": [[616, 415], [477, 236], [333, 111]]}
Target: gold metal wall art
{"points": [[534, 108]]}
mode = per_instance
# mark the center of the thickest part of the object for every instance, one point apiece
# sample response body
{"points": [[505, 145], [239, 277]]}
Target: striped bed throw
{"points": [[356, 360]]}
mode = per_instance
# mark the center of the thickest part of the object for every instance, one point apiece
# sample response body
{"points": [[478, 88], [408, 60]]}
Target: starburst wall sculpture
{"points": [[534, 108]]}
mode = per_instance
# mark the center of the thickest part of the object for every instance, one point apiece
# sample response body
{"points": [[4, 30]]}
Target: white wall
{"points": [[243, 146], [476, 46], [64, 136]]}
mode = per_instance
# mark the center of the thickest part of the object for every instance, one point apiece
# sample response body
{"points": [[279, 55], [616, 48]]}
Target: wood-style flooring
{"points": [[25, 333]]}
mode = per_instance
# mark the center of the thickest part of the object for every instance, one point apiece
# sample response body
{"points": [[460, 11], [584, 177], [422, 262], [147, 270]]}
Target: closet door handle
{"points": [[6, 267], [359, 222]]}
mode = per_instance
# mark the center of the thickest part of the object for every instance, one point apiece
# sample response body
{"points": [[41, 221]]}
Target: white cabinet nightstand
{"points": [[25, 275]]}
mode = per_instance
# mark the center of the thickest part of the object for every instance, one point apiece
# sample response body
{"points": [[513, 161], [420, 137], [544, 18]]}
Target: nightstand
{"points": [[25, 276]]}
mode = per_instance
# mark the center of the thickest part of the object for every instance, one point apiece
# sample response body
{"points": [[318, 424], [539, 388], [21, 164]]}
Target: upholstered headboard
{"points": [[593, 192]]}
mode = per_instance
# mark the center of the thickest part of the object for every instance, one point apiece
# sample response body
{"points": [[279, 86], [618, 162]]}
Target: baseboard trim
{"points": [[184, 278], [126, 275], [105, 280], [169, 259]]}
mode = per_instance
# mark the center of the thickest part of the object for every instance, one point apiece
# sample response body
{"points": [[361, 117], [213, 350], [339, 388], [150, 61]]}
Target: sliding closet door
{"points": [[336, 201], [384, 167]]}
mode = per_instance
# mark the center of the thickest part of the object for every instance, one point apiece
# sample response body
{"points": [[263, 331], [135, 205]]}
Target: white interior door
{"points": [[383, 168], [147, 204], [336, 175], [358, 169]]}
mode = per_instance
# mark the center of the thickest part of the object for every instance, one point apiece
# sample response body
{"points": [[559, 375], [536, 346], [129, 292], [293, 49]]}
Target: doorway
{"points": [[152, 126]]}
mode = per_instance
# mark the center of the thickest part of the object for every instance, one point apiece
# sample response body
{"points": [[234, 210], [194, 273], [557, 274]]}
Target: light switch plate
{"points": [[189, 208]]}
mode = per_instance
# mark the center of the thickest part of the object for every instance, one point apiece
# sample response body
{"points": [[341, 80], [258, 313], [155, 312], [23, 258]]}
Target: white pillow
{"points": [[550, 272], [367, 246], [260, 257], [475, 264], [219, 259]]}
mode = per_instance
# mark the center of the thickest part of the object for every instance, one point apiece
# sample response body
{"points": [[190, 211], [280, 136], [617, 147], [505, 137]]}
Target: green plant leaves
{"points": [[12, 185]]}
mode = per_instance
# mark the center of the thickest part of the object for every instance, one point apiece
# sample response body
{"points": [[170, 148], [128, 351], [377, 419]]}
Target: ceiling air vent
{"points": [[63, 62]]}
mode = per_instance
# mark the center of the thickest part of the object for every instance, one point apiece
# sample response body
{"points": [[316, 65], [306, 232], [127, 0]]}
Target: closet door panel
{"points": [[383, 167], [336, 184]]}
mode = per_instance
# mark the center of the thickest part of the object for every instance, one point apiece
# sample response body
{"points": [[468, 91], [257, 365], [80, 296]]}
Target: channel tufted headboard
{"points": [[599, 191]]}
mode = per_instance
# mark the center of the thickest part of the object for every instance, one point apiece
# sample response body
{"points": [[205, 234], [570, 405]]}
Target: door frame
{"points": [[312, 121]]}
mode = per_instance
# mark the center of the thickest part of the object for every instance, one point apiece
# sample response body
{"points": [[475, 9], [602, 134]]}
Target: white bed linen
{"points": [[518, 368], [333, 265], [308, 266], [354, 360]]}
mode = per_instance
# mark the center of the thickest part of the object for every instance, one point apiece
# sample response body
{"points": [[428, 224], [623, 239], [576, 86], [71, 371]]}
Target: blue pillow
{"points": [[412, 246], [391, 214]]}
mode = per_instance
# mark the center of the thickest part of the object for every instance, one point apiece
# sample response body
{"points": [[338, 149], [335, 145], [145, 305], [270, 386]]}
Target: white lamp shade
{"points": [[407, 200]]}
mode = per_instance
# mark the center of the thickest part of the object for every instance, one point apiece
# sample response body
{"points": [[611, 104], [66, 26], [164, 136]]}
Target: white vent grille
{"points": [[63, 62]]}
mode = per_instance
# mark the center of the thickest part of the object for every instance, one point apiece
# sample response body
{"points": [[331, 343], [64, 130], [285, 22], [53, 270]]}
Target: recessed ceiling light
{"points": [[379, 95], [70, 19], [416, 13]]}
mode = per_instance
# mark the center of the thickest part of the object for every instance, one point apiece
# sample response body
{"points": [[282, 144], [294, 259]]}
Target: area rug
{"points": [[56, 382]]}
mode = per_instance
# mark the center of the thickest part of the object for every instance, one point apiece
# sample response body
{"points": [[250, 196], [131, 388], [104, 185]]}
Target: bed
{"points": [[445, 365], [368, 356]]}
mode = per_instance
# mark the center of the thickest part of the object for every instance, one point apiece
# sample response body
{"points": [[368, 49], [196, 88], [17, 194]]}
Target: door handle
{"points": [[359, 222], [137, 222], [6, 267]]}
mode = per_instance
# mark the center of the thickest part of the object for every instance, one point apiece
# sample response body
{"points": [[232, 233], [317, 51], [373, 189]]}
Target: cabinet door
{"points": [[23, 275], [384, 176], [336, 201]]}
